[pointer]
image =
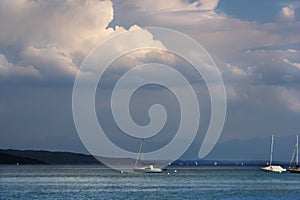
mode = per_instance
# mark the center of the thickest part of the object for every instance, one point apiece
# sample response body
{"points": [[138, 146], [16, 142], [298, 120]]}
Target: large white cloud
{"points": [[74, 25], [53, 37]]}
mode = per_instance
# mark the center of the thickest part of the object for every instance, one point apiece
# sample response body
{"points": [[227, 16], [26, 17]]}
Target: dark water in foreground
{"points": [[97, 182]]}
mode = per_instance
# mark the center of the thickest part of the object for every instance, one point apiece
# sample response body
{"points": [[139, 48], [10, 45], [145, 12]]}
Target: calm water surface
{"points": [[97, 182]]}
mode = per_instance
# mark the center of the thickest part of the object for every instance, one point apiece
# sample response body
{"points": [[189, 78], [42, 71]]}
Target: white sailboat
{"points": [[145, 169], [270, 167], [294, 165]]}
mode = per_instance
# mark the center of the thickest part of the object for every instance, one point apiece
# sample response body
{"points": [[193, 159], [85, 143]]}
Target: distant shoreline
{"points": [[34, 157]]}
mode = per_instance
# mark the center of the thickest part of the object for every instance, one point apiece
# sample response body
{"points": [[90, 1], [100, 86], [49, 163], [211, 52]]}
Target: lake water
{"points": [[97, 182]]}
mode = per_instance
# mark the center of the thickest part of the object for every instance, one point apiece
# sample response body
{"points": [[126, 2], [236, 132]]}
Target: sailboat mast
{"points": [[271, 155], [297, 146], [141, 153], [293, 157], [142, 148]]}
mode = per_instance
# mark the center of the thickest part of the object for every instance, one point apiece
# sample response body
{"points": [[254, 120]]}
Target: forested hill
{"points": [[10, 156]]}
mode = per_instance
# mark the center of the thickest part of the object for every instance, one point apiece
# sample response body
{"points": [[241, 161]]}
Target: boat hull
{"points": [[273, 168], [148, 170], [294, 170]]}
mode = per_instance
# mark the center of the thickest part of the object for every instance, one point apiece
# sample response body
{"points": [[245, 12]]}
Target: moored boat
{"points": [[270, 167], [145, 169], [294, 165]]}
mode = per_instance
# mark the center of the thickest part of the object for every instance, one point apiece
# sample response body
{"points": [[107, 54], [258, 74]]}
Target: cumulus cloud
{"points": [[208, 4], [296, 65], [53, 37], [229, 40], [172, 14], [74, 25], [236, 70], [8, 69], [51, 62], [288, 12]]}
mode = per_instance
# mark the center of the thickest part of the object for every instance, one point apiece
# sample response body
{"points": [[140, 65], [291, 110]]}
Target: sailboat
{"points": [[145, 169], [294, 165], [270, 167]]}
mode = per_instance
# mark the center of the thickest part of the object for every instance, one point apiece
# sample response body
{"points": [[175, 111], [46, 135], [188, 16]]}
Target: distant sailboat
{"points": [[148, 169], [270, 167], [294, 165]]}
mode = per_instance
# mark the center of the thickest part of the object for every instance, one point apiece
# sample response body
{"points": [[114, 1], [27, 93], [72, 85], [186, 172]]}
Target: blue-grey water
{"points": [[97, 182]]}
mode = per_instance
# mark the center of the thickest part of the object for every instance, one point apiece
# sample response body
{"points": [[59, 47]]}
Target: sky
{"points": [[255, 44]]}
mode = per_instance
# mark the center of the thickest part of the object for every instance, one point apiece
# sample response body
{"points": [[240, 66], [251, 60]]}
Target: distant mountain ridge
{"points": [[10, 159], [10, 156]]}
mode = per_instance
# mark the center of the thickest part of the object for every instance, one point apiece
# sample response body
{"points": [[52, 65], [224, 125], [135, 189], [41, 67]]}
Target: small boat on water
{"points": [[270, 167], [273, 168], [149, 169], [294, 165], [145, 169]]}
